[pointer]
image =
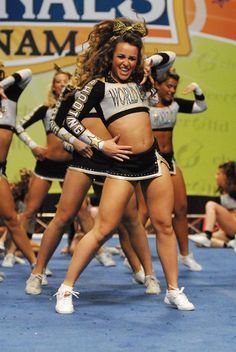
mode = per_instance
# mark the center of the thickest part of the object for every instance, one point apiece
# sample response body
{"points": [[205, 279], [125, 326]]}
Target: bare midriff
{"points": [[5, 142], [134, 130], [165, 140]]}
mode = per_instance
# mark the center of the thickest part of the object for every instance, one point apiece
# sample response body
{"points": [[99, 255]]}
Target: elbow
{"points": [[172, 57], [168, 57], [18, 129], [26, 74]]}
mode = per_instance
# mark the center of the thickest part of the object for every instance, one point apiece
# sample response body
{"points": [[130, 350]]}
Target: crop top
{"points": [[227, 201], [110, 100], [13, 87], [164, 118]]}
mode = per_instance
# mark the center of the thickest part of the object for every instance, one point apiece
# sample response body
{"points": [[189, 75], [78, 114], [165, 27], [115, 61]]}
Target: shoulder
{"points": [[41, 109], [93, 88]]}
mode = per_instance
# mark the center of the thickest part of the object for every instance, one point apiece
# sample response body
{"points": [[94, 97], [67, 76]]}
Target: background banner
{"points": [[37, 34]]}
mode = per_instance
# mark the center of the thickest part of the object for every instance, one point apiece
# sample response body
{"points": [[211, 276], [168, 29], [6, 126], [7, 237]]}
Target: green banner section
{"points": [[203, 141]]}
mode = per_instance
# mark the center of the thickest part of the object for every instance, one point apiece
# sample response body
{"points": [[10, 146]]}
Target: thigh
{"points": [[142, 207], [6, 138], [7, 205], [131, 210], [159, 196], [225, 219], [74, 190], [180, 197], [38, 189], [114, 199]]}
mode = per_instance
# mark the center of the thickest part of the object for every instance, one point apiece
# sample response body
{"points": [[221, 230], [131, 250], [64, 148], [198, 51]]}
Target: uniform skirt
{"points": [[96, 165], [51, 170], [140, 166]]}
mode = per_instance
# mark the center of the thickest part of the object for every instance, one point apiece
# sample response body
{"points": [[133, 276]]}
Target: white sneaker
{"points": [[9, 260], [64, 303], [113, 250], [2, 276], [44, 280], [34, 284], [105, 259], [178, 299], [152, 285], [232, 244], [127, 264], [48, 272], [200, 239], [190, 262], [122, 253], [139, 277], [19, 260]]}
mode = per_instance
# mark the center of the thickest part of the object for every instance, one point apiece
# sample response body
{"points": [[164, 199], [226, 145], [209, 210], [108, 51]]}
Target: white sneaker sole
{"points": [[33, 292], [7, 265], [153, 291], [64, 312], [191, 268], [166, 301]]}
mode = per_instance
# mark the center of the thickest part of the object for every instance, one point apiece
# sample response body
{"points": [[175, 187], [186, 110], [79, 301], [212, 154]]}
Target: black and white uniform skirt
{"points": [[169, 157], [139, 167], [51, 170], [96, 165]]}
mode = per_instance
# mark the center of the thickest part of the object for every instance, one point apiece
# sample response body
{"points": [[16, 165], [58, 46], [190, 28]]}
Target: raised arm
{"points": [[199, 104], [21, 78], [162, 61]]}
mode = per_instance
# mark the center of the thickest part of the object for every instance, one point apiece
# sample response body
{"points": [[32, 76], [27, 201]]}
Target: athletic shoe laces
{"points": [[66, 293]]}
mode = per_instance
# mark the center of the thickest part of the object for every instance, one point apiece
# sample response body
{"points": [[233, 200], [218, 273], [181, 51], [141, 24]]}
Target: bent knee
{"points": [[11, 220], [130, 223], [164, 228], [102, 232], [63, 219], [210, 205]]}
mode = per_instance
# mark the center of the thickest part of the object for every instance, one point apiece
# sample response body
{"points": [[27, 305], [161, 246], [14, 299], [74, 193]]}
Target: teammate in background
{"points": [[11, 88], [52, 160], [163, 114], [222, 215]]}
